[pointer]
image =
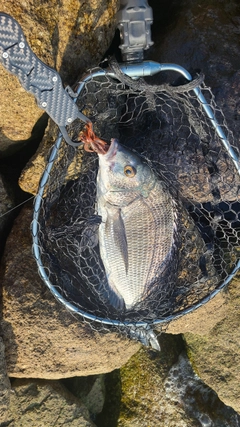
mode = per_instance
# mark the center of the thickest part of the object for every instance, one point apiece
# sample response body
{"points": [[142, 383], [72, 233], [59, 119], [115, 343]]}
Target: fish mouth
{"points": [[112, 150]]}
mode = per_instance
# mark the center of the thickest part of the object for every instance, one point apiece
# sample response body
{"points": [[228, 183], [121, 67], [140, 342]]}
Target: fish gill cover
{"points": [[196, 190]]}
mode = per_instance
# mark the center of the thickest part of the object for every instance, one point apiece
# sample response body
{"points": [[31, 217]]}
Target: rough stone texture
{"points": [[142, 382], [31, 174], [161, 389], [36, 403], [183, 387], [215, 354], [212, 335], [42, 339], [5, 386], [206, 318], [18, 112], [203, 319], [90, 390], [136, 395], [66, 35]]}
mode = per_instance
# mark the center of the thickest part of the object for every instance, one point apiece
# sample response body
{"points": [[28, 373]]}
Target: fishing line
{"points": [[17, 206]]}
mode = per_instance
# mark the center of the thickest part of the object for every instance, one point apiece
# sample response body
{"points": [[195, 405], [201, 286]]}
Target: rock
{"points": [[202, 320], [197, 36], [90, 390], [15, 106], [42, 339], [161, 389], [183, 387], [212, 336], [143, 398], [5, 386], [136, 394], [32, 172], [83, 34], [68, 36], [37, 403], [94, 400], [215, 354]]}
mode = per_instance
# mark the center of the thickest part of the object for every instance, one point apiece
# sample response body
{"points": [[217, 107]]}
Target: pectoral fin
{"points": [[115, 227]]}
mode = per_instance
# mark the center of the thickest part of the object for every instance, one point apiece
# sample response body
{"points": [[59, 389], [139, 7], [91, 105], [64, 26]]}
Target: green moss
{"points": [[130, 391], [194, 342], [143, 376]]}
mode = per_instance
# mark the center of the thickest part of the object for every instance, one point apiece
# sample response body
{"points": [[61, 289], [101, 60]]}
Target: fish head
{"points": [[124, 173]]}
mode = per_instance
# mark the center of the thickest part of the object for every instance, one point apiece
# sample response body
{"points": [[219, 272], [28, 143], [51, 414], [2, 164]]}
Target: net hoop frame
{"points": [[134, 71]]}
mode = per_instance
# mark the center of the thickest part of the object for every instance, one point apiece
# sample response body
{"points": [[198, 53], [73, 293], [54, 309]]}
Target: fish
{"points": [[138, 230], [153, 254]]}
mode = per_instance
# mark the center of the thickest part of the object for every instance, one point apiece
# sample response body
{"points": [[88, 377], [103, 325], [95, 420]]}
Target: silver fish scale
{"points": [[149, 226]]}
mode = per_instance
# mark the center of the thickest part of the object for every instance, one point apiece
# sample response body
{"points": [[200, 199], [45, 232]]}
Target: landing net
{"points": [[168, 126]]}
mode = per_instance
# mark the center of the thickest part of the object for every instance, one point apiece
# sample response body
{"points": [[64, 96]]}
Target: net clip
{"points": [[145, 335], [134, 20]]}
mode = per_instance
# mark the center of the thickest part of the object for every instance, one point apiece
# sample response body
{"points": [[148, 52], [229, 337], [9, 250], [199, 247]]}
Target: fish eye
{"points": [[130, 171]]}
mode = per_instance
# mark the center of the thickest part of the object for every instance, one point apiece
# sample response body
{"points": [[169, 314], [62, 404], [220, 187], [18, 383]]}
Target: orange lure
{"points": [[91, 142]]}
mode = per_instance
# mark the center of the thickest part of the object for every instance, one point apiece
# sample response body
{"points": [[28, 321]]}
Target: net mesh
{"points": [[170, 130]]}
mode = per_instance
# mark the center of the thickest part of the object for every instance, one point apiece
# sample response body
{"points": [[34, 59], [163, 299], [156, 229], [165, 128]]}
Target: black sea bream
{"points": [[137, 234]]}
